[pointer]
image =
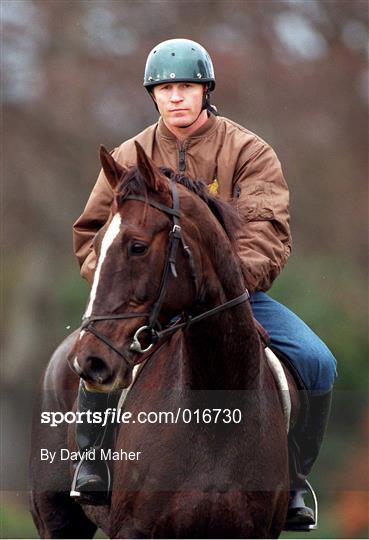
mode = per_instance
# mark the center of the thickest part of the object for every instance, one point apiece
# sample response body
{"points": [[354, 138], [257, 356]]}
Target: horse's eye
{"points": [[137, 248]]}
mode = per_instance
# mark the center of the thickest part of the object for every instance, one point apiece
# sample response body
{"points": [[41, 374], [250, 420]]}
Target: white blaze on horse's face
{"points": [[107, 241]]}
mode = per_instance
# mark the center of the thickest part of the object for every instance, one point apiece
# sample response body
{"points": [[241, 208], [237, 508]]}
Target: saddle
{"points": [[287, 378]]}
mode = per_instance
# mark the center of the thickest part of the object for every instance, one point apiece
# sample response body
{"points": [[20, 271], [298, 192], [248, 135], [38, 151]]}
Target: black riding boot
{"points": [[91, 483], [304, 452]]}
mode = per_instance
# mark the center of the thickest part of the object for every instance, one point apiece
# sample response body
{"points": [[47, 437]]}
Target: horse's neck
{"points": [[224, 350]]}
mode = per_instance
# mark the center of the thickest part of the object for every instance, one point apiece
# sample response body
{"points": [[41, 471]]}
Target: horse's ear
{"points": [[153, 176], [113, 171]]}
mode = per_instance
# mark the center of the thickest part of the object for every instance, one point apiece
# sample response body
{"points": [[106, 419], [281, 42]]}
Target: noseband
{"points": [[153, 327]]}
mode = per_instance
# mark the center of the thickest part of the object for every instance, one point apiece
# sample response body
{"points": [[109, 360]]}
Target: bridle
{"points": [[153, 326]]}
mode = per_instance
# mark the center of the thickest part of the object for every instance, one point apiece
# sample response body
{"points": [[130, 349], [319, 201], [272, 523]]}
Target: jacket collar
{"points": [[203, 131]]}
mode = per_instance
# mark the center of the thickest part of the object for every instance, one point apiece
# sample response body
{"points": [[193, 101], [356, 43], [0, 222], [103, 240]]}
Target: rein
{"points": [[175, 237]]}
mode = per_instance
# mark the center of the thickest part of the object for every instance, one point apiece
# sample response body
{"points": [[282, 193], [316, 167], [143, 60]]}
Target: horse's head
{"points": [[151, 267]]}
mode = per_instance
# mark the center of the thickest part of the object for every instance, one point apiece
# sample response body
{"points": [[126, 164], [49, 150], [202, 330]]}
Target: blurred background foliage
{"points": [[293, 71]]}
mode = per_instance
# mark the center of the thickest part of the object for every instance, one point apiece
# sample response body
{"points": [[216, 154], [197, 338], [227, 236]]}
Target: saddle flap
{"points": [[282, 384]]}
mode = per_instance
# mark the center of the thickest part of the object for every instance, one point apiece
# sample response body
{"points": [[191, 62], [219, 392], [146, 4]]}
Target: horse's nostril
{"points": [[97, 369], [76, 366]]}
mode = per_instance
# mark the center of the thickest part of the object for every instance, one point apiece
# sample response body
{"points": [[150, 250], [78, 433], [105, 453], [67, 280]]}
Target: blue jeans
{"points": [[309, 355]]}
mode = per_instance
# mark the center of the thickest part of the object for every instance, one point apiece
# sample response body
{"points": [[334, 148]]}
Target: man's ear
{"points": [[113, 171]]}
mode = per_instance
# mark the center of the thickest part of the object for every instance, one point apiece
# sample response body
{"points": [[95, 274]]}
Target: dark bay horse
{"points": [[168, 293]]}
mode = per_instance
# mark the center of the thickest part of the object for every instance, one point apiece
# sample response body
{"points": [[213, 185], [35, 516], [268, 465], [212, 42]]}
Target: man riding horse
{"points": [[192, 139]]}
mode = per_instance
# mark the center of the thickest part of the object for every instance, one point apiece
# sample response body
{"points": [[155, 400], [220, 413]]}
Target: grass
{"points": [[16, 522]]}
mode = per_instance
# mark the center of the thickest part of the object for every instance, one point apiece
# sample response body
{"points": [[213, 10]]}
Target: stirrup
{"points": [[307, 527], [81, 495], [315, 500]]}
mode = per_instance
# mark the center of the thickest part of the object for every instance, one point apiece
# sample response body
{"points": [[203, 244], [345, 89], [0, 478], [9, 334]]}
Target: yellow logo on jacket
{"points": [[213, 187]]}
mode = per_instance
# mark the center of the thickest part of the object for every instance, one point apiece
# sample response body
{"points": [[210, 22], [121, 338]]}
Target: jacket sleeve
{"points": [[94, 216], [261, 197]]}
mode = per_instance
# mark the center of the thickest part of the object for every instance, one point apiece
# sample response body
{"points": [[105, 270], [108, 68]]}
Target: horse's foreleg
{"points": [[56, 515]]}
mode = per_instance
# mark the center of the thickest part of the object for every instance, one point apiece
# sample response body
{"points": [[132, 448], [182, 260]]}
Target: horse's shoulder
{"points": [[58, 378]]}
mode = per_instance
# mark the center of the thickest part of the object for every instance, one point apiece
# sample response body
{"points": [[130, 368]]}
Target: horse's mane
{"points": [[134, 184]]}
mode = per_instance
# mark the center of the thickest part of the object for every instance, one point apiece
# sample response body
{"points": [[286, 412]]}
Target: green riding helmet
{"points": [[179, 60]]}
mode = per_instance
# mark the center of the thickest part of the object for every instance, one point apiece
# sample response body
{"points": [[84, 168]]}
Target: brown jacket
{"points": [[245, 168]]}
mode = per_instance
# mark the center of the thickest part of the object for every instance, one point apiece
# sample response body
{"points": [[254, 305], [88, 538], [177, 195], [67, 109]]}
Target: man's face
{"points": [[179, 103]]}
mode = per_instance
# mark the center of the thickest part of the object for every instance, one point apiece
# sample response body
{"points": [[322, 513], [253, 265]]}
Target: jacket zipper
{"points": [[182, 158]]}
